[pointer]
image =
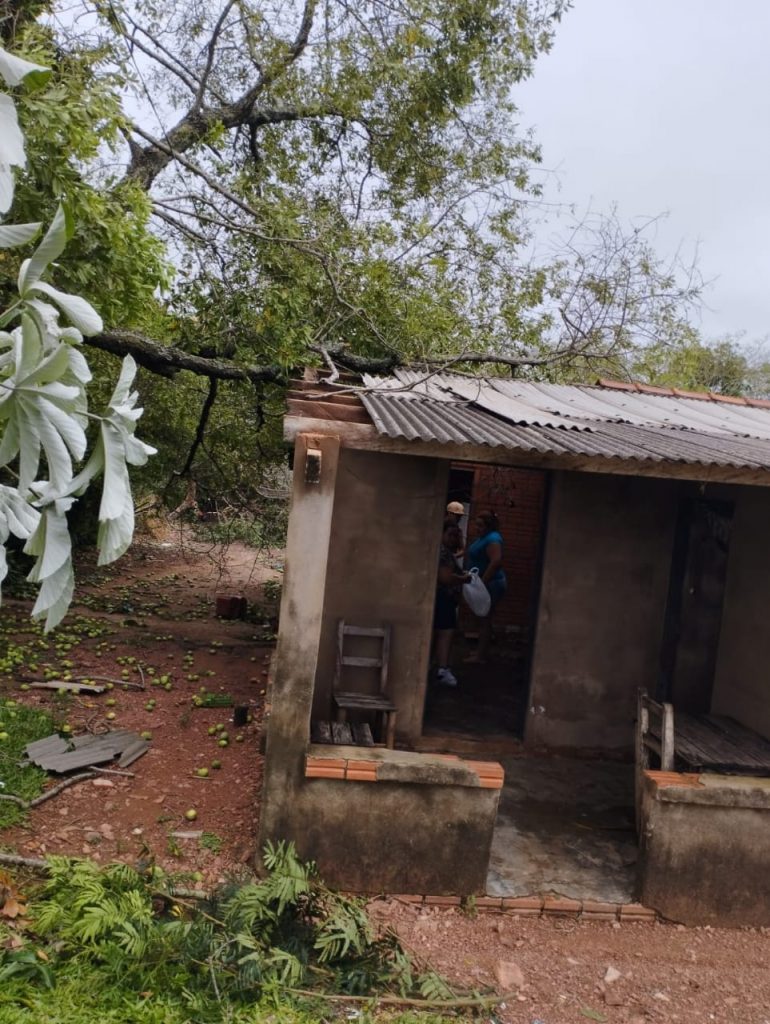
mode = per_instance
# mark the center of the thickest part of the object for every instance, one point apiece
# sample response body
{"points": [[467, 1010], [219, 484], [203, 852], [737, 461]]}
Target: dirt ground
{"points": [[157, 606], [557, 968]]}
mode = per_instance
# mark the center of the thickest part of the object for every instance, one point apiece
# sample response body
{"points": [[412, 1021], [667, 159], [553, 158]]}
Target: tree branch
{"points": [[167, 360], [208, 405], [148, 161]]}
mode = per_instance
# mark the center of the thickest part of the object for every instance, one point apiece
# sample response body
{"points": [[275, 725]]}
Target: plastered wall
{"points": [[742, 684], [600, 620], [383, 553]]}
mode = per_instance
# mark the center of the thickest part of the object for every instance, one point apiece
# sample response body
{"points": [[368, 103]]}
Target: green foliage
{"points": [[81, 997], [727, 366], [211, 841], [249, 941], [22, 725], [72, 126]]}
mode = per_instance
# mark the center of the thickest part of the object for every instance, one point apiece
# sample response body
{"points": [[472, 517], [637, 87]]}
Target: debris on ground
{"points": [[61, 754]]}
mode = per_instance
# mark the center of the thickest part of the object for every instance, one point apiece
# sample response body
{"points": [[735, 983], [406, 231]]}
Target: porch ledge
{"points": [[709, 789], [376, 764]]}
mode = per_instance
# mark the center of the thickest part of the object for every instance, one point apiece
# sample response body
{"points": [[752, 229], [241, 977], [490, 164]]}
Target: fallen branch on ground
{"points": [[49, 793], [446, 1004], [15, 860]]}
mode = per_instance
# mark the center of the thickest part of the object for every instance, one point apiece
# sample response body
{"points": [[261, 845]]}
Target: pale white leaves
{"points": [[13, 70], [44, 405], [116, 448]]}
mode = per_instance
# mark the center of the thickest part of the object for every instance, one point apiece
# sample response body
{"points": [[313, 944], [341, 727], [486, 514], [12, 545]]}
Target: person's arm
{"points": [[449, 575], [494, 553]]}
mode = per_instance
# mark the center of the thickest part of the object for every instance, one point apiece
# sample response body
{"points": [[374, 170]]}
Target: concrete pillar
{"points": [[307, 552]]}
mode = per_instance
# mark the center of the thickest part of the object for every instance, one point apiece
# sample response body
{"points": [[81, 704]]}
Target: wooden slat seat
{"points": [[363, 702], [355, 700]]}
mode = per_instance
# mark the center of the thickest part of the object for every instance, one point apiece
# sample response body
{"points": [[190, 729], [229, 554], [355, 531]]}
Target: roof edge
{"points": [[702, 396]]}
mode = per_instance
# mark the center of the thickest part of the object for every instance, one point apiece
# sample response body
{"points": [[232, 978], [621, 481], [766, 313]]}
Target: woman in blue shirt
{"points": [[486, 555]]}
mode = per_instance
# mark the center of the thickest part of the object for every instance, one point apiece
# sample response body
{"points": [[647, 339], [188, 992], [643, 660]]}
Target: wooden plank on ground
{"points": [[70, 687]]}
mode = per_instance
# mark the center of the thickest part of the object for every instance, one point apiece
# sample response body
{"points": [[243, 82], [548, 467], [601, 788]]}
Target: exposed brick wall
{"points": [[516, 497]]}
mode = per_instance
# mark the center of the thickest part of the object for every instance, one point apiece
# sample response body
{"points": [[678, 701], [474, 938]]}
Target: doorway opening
{"points": [[694, 605], [486, 710]]}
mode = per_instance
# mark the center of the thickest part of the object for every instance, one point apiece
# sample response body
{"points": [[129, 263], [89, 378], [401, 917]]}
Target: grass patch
{"points": [[82, 998], [21, 725]]}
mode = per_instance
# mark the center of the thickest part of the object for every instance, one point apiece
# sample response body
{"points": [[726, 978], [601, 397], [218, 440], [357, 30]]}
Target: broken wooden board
{"points": [[357, 734], [70, 687], [58, 754]]}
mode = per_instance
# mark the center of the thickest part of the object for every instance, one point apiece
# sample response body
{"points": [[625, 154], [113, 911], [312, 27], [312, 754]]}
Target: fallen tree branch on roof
{"points": [[167, 360]]}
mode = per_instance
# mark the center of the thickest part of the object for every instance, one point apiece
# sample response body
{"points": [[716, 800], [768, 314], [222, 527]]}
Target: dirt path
{"points": [[557, 967], [155, 609]]}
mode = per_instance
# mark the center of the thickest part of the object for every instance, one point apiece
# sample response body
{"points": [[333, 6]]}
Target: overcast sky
{"points": [[664, 106]]}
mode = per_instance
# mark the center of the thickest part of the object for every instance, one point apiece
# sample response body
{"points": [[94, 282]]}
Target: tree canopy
{"points": [[259, 184]]}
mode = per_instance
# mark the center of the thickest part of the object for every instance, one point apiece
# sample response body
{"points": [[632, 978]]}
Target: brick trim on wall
{"points": [[490, 774]]}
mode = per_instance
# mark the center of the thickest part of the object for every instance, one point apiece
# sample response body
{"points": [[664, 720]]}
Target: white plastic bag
{"points": [[476, 595]]}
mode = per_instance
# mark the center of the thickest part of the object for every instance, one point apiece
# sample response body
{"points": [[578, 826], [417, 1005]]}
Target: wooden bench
{"points": [[694, 743]]}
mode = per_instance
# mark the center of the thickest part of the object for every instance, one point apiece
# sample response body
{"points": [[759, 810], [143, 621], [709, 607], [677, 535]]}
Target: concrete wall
{"points": [[600, 621], [742, 685], [703, 850], [362, 545], [383, 553]]}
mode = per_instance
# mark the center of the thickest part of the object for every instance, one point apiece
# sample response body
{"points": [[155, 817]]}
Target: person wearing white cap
{"points": [[455, 510]]}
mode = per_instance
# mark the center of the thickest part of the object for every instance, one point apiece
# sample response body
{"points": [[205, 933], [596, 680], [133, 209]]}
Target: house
{"points": [[642, 519]]}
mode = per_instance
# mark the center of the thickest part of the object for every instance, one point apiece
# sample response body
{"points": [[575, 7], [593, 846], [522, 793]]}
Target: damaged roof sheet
{"points": [[56, 753], [556, 419]]}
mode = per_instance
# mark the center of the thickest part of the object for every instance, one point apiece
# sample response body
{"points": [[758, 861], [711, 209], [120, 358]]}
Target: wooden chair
{"points": [[353, 700]]}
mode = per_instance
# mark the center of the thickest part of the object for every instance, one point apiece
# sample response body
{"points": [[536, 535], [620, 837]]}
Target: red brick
{"points": [[417, 900], [443, 901], [596, 907], [486, 767], [561, 906], [363, 766], [524, 906], [489, 903], [325, 762], [354, 775], [689, 780], [636, 912], [320, 772]]}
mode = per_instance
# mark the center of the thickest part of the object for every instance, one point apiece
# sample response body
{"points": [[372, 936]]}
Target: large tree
{"points": [[334, 181]]}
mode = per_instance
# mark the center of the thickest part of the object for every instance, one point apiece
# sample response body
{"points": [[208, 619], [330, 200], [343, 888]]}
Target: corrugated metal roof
{"points": [[579, 406], [569, 420]]}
